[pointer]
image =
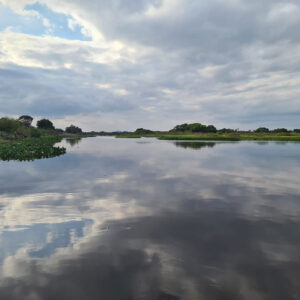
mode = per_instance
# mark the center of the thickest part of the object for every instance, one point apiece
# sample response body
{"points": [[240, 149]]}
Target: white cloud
{"points": [[220, 62]]}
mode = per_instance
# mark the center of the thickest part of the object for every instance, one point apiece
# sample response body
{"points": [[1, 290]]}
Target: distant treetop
{"points": [[262, 130], [143, 131], [73, 129], [280, 130], [26, 120], [45, 124], [194, 127]]}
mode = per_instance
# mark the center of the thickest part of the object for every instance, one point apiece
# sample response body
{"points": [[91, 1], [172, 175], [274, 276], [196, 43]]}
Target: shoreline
{"points": [[217, 137]]}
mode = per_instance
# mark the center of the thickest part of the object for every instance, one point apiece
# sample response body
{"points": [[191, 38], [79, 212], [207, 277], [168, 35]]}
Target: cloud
{"points": [[232, 63], [218, 227]]}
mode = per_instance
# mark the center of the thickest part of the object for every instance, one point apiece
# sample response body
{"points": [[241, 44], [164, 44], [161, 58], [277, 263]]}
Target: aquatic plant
{"points": [[31, 149]]}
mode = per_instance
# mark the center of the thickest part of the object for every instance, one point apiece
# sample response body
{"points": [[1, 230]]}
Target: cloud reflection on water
{"points": [[153, 222]]}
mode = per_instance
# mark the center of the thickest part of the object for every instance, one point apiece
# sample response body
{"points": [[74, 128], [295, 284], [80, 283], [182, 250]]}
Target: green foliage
{"points": [[9, 125], [270, 138], [143, 131], [45, 124], [194, 127], [35, 133], [280, 130], [226, 130], [262, 130], [26, 120], [73, 129], [23, 131], [31, 149], [297, 130], [58, 130], [12, 129]]}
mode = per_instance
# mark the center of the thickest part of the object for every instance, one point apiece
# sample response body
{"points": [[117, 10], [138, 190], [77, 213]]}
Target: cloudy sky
{"points": [[119, 65]]}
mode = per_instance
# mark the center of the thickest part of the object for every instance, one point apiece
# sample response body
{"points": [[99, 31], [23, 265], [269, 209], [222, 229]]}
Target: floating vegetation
{"points": [[31, 149]]}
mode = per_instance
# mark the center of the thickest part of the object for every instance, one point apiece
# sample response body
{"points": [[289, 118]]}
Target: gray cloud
{"points": [[231, 63]]}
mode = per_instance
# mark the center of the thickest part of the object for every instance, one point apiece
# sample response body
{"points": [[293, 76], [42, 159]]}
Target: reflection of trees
{"points": [[73, 141], [194, 145]]}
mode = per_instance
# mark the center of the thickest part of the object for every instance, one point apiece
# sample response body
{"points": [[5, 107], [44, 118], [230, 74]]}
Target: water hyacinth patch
{"points": [[31, 149]]}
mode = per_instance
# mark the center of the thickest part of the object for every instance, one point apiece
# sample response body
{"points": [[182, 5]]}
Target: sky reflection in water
{"points": [[149, 219]]}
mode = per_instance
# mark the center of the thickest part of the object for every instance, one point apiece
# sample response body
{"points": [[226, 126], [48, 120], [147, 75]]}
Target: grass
{"points": [[292, 138], [217, 137], [200, 137], [30, 149]]}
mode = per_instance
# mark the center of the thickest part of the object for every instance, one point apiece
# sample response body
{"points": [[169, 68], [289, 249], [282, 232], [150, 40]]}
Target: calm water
{"points": [[148, 219]]}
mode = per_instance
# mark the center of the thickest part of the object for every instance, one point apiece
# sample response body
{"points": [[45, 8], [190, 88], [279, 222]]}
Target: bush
{"points": [[262, 130], [34, 133], [297, 130], [143, 131], [280, 130], [9, 125], [73, 129], [194, 127], [45, 124], [22, 131], [58, 130], [226, 130]]}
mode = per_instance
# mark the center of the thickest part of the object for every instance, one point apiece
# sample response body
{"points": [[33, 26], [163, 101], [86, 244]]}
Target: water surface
{"points": [[148, 219]]}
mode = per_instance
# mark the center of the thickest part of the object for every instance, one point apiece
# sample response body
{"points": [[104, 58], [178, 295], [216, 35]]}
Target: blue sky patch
{"points": [[50, 23]]}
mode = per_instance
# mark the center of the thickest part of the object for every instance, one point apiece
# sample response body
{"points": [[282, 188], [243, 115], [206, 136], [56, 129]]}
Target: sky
{"points": [[120, 65]]}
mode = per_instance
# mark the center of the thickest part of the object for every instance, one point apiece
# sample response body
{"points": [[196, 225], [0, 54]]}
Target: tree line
{"points": [[22, 127], [201, 128]]}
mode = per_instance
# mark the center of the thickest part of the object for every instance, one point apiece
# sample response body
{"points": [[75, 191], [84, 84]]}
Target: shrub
{"points": [[73, 129], [226, 130], [58, 130], [23, 131], [143, 131], [9, 125], [194, 127], [45, 124], [280, 130], [35, 133], [262, 130]]}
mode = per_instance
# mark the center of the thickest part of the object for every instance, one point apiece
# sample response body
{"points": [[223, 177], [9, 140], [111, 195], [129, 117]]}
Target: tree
{"points": [[226, 130], [211, 128], [194, 127], [280, 130], [26, 120], [180, 128], [9, 125], [262, 130], [73, 129], [45, 124], [143, 131]]}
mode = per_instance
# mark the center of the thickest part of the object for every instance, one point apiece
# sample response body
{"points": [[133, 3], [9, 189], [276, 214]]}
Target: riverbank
{"points": [[217, 137], [28, 149]]}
